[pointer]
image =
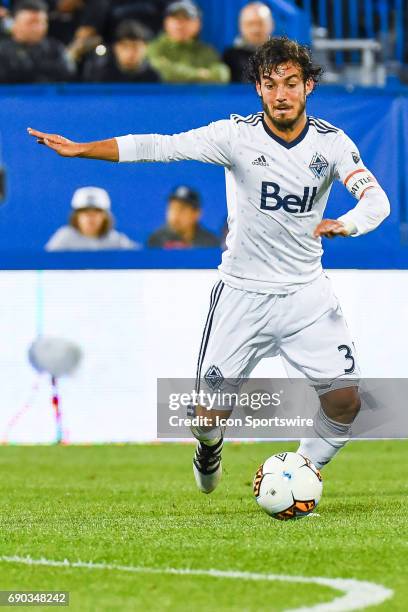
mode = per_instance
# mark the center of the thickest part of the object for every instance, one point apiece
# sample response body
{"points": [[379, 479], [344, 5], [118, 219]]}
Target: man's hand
{"points": [[330, 228], [106, 150], [63, 146]]}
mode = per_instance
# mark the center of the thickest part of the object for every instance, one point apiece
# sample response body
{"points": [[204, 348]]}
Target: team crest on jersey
{"points": [[213, 377], [356, 157], [319, 165]]}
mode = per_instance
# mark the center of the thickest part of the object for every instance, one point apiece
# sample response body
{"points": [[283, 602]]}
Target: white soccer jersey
{"points": [[276, 193]]}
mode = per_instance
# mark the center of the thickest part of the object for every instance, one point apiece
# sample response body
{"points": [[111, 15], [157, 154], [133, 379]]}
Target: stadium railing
{"points": [[382, 20]]}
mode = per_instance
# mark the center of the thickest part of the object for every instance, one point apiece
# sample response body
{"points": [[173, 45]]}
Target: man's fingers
{"points": [[53, 145], [319, 230], [329, 228], [337, 231], [36, 133], [41, 136], [330, 233], [61, 145]]}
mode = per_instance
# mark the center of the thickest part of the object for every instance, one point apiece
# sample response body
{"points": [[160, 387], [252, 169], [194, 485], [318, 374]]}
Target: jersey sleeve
{"points": [[348, 162], [373, 205], [211, 144]]}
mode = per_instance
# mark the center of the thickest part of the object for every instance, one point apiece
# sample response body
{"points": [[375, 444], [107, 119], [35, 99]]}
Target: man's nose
{"points": [[281, 93]]}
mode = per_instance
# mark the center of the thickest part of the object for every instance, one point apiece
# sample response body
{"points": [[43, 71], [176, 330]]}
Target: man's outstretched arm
{"points": [[103, 149], [209, 144]]}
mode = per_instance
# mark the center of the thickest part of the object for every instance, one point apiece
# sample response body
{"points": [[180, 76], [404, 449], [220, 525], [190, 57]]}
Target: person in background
{"points": [[28, 55], [65, 24], [100, 19], [90, 226], [256, 25], [178, 54], [5, 21], [183, 229], [65, 18], [104, 16], [125, 61]]}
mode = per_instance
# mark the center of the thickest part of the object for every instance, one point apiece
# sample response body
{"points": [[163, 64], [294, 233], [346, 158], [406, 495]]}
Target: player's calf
{"points": [[341, 405], [332, 425]]}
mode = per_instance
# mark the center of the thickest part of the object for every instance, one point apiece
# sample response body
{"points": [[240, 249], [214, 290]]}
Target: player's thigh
{"points": [[234, 337], [324, 350]]}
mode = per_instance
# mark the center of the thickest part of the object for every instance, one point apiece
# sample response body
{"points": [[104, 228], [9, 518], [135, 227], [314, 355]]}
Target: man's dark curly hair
{"points": [[281, 50]]}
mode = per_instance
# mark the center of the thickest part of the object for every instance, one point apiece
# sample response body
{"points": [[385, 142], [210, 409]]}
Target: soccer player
{"points": [[272, 297]]}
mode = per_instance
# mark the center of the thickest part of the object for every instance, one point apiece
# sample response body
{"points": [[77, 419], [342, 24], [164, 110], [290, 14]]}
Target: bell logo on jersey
{"points": [[271, 200]]}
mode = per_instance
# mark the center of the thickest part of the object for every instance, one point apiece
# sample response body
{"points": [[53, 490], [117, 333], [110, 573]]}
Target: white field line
{"points": [[357, 594]]}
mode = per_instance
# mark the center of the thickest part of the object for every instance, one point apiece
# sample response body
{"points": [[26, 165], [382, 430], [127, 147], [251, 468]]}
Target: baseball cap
{"points": [[187, 195], [91, 197], [186, 6]]}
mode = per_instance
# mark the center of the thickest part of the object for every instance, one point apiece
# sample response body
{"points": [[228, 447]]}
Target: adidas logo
{"points": [[260, 161]]}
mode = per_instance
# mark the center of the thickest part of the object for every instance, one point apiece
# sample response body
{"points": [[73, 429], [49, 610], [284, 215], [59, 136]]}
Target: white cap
{"points": [[91, 197]]}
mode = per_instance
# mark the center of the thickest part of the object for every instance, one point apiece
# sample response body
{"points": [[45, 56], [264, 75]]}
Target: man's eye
{"points": [[292, 85]]}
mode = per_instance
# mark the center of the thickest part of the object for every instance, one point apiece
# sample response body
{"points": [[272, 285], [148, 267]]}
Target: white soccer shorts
{"points": [[307, 328]]}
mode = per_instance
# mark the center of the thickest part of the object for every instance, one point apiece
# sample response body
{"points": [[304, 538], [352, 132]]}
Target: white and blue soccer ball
{"points": [[288, 486]]}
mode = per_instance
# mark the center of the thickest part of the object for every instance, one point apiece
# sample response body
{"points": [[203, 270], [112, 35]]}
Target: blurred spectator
{"points": [[84, 42], [125, 61], [84, 24], [65, 18], [5, 21], [100, 18], [90, 226], [256, 25], [182, 229], [179, 56], [27, 55]]}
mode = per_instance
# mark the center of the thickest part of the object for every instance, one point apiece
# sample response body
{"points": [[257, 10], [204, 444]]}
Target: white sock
{"points": [[208, 435], [320, 450], [324, 446]]}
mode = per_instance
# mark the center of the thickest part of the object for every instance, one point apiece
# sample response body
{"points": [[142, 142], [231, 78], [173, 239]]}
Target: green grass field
{"points": [[136, 505]]}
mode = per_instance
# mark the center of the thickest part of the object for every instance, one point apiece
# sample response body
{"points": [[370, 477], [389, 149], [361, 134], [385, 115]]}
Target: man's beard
{"points": [[284, 125]]}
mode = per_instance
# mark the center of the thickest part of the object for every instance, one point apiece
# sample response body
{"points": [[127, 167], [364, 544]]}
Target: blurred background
{"points": [[117, 261]]}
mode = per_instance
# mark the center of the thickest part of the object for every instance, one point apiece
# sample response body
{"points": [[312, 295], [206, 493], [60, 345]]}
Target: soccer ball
{"points": [[288, 486]]}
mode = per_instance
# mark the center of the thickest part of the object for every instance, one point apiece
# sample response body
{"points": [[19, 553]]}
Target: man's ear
{"points": [[309, 86], [258, 89]]}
